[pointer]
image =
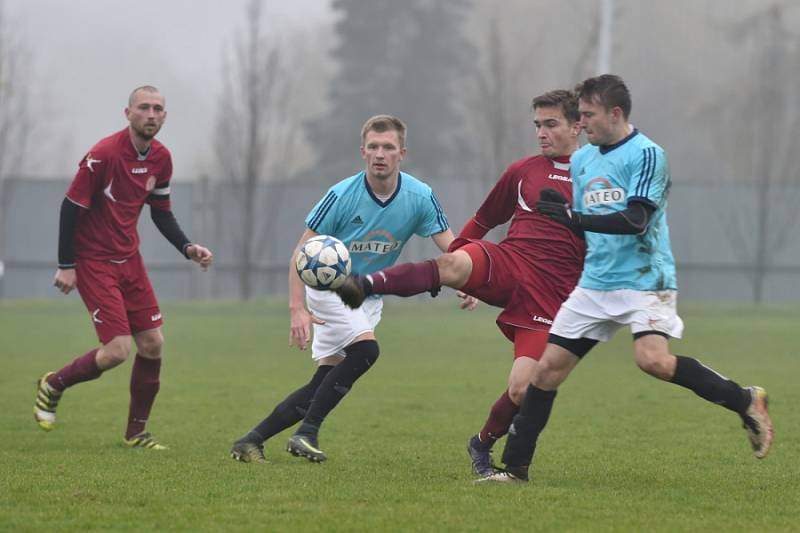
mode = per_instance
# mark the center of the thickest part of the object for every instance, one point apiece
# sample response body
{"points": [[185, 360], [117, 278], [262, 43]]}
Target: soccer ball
{"points": [[323, 262]]}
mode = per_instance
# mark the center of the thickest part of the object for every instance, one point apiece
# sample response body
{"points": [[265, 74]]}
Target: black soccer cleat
{"points": [[248, 452], [481, 456], [354, 290], [305, 446], [512, 474]]}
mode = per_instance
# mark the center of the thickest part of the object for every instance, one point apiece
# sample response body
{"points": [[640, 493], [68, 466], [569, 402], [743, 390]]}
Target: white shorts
{"points": [[342, 324], [597, 315]]}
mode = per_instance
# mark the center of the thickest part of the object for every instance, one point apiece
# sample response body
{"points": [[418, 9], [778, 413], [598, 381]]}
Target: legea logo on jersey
{"points": [[139, 170], [600, 192], [372, 245]]}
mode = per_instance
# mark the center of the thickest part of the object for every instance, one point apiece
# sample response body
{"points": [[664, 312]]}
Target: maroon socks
{"points": [[144, 387], [83, 368], [407, 279], [500, 417]]}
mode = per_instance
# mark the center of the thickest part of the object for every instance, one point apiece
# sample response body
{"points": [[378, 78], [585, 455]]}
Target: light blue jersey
{"points": [[373, 230], [604, 180]]}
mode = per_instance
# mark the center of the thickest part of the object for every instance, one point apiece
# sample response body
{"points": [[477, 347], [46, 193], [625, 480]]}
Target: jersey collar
{"points": [[388, 200], [604, 149]]}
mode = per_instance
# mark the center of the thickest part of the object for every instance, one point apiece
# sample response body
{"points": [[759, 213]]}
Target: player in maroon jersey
{"points": [[98, 253], [528, 274]]}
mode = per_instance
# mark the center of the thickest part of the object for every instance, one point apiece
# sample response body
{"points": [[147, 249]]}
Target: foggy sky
{"points": [[89, 54]]}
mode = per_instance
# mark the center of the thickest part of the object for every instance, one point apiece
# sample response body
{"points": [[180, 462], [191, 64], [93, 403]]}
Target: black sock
{"points": [[709, 385], [290, 411], [360, 357], [526, 427]]}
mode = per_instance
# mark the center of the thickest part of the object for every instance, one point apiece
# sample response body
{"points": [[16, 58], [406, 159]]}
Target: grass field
{"points": [[623, 452]]}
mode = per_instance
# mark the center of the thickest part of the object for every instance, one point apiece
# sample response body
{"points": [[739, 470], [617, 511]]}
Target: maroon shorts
{"points": [[502, 277], [119, 297]]}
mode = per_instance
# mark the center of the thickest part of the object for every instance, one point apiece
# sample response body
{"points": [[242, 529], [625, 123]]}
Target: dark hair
{"points": [[608, 90], [562, 98], [383, 123]]}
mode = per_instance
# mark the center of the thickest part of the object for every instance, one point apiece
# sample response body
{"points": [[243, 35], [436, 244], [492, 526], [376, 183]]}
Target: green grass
{"points": [[623, 452]]}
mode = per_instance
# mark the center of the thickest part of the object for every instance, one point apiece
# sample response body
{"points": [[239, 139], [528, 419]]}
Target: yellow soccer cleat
{"points": [[144, 440], [44, 409]]}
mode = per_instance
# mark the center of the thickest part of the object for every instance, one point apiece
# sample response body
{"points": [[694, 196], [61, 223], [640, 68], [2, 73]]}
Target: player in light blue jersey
{"points": [[374, 213], [620, 185]]}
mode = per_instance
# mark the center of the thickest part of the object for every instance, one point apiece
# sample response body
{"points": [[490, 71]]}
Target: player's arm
{"points": [[300, 319], [443, 239], [65, 278], [632, 220], [496, 209]]}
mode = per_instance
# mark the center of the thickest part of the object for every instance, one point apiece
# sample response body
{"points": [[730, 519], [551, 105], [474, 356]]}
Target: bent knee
{"points": [[115, 352], [661, 366], [454, 269], [150, 345], [517, 390]]}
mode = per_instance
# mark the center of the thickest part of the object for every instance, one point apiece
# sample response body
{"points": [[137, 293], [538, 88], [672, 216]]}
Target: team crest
{"points": [[151, 184]]}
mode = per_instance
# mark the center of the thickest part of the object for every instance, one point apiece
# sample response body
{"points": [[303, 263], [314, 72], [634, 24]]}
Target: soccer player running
{"points": [[528, 274], [374, 213], [620, 186], [98, 253]]}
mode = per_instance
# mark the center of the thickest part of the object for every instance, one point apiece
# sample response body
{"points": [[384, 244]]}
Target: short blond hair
{"points": [[383, 123]]}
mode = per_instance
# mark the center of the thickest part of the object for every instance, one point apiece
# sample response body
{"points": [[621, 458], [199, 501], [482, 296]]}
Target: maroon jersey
{"points": [[548, 244], [542, 258], [113, 183]]}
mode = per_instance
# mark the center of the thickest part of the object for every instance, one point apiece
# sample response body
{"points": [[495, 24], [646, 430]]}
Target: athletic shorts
{"points": [[119, 297], [342, 324], [597, 315], [530, 298]]}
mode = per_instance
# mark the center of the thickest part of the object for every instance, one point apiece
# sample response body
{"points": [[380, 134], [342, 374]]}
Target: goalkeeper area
{"points": [[622, 451]]}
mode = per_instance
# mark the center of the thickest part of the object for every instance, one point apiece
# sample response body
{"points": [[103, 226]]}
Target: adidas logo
{"points": [[357, 220]]}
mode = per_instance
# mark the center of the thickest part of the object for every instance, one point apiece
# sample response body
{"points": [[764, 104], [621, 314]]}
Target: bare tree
{"points": [[515, 64], [762, 115], [258, 132], [15, 115], [15, 118]]}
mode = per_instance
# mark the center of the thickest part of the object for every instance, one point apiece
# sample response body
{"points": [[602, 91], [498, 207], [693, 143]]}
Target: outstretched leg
{"points": [[408, 279]]}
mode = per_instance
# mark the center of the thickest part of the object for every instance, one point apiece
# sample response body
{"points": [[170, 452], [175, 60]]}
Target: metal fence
{"points": [[713, 230]]}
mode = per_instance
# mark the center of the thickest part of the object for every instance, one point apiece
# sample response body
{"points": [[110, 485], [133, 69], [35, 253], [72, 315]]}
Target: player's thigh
{"points": [[342, 325], [98, 286], [651, 353], [495, 273], [141, 304], [554, 367]]}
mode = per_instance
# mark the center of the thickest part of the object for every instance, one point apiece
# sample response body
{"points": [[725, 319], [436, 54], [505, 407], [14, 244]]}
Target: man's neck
{"points": [[141, 145], [383, 187], [623, 131]]}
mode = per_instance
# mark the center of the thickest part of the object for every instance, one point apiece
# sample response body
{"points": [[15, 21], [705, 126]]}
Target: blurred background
{"points": [[266, 101]]}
